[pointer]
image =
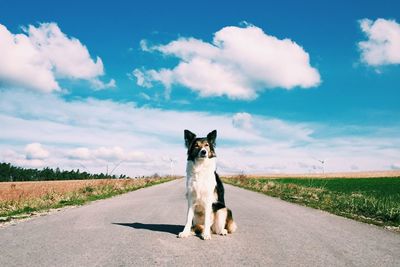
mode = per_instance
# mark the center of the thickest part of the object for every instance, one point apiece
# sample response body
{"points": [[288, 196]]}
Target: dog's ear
{"points": [[211, 137], [189, 137]]}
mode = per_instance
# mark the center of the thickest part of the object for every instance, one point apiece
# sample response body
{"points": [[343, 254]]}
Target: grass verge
{"points": [[24, 199], [370, 200]]}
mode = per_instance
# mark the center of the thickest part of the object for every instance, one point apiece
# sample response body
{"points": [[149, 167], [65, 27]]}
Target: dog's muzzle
{"points": [[203, 153]]}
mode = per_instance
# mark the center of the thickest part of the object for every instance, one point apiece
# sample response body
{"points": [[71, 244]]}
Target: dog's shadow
{"points": [[165, 228]]}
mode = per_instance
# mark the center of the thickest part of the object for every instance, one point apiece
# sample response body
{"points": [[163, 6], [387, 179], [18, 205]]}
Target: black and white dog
{"points": [[205, 192]]}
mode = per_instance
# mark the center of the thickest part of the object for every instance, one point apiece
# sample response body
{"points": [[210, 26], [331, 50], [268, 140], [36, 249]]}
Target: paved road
{"points": [[139, 228]]}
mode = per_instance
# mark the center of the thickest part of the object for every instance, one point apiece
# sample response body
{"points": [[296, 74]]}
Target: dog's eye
{"points": [[206, 145]]}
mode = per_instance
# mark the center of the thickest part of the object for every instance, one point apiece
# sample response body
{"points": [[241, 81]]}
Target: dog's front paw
{"points": [[205, 236], [184, 234], [224, 232]]}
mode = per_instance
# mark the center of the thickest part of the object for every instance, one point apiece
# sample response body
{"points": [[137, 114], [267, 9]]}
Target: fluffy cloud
{"points": [[101, 134], [383, 44], [23, 65], [238, 64], [36, 58], [36, 151]]}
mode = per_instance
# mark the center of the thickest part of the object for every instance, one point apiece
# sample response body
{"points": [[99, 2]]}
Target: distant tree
{"points": [[9, 173]]}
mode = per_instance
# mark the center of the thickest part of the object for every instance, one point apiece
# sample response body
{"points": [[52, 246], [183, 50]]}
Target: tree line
{"points": [[10, 173]]}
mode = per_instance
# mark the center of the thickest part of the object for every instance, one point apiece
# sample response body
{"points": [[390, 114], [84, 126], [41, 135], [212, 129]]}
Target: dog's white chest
{"points": [[201, 180]]}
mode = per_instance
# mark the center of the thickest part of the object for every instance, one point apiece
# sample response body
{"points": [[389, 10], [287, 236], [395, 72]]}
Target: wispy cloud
{"points": [[104, 155], [39, 56], [239, 63], [93, 134], [242, 120]]}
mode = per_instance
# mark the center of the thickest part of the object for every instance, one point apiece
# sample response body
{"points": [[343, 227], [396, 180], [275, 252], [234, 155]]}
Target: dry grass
{"points": [[28, 197], [366, 174], [11, 191]]}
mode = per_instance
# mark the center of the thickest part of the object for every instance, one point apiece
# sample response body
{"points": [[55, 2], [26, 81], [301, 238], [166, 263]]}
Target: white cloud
{"points": [[395, 166], [79, 153], [67, 55], [116, 153], [35, 151], [36, 58], [112, 154], [383, 44], [145, 96], [23, 65], [100, 134], [242, 120], [141, 79], [238, 64], [144, 46], [99, 85]]}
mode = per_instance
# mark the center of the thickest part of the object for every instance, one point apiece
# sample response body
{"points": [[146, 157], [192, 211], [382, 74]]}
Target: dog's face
{"points": [[200, 148]]}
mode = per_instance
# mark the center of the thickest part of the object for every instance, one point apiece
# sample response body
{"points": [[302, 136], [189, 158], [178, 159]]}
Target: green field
{"points": [[379, 187], [372, 200]]}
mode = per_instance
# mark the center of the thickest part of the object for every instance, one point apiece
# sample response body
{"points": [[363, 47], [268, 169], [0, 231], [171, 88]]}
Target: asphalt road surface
{"points": [[140, 228]]}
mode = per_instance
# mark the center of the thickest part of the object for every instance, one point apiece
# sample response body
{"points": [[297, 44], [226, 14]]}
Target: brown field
{"points": [[369, 174], [10, 191], [24, 199]]}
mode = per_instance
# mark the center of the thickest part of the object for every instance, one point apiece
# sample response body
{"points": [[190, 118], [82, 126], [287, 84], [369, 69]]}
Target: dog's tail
{"points": [[230, 225]]}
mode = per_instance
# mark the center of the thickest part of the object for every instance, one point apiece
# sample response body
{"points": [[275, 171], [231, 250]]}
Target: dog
{"points": [[206, 212]]}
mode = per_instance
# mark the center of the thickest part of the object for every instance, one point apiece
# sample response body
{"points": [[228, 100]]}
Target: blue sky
{"points": [[313, 83]]}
